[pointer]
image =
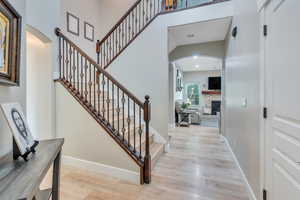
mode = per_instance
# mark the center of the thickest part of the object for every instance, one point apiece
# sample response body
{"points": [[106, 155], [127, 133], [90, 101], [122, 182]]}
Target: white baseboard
{"points": [[157, 137], [122, 174], [172, 126], [249, 188]]}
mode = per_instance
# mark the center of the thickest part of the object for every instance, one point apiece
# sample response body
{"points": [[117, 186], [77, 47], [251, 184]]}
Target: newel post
{"points": [[98, 51], [58, 32], [147, 159]]}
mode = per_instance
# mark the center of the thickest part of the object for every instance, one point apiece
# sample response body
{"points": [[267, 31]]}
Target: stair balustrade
{"points": [[121, 114]]}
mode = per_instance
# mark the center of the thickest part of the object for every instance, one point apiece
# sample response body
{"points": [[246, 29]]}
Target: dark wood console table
{"points": [[20, 180]]}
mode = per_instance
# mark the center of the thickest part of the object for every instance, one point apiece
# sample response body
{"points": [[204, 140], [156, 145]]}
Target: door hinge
{"points": [[264, 194], [265, 112], [265, 30]]}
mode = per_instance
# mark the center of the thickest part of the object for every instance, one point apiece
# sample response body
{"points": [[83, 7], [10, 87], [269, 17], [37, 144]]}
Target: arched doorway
{"points": [[40, 106]]}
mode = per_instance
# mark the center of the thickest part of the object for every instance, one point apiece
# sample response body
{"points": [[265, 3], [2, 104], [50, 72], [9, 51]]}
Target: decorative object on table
{"points": [[10, 44], [23, 142], [72, 24], [89, 32]]}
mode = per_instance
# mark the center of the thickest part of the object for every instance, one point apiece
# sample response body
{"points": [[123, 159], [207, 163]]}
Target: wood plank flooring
{"points": [[198, 166]]}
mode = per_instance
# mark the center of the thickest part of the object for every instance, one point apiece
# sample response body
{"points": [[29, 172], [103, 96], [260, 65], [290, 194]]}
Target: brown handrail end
{"points": [[57, 31]]}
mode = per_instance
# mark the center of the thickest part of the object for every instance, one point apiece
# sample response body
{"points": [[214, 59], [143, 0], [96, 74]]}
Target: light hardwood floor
{"points": [[198, 166]]}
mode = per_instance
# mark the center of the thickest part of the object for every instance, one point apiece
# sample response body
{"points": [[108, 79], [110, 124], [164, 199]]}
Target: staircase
{"points": [[122, 115], [119, 112]]}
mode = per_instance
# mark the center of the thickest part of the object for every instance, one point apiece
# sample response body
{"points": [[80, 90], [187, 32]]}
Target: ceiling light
{"points": [[197, 66], [195, 57]]}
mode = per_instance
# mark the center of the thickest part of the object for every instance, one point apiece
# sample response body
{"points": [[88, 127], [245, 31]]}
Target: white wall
{"points": [[85, 139], [242, 80], [201, 78], [13, 94], [39, 82], [43, 17], [102, 14], [143, 66]]}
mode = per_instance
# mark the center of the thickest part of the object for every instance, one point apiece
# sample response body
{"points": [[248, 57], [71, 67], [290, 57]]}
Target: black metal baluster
{"points": [[90, 84], [119, 110], [113, 106], [95, 82], [103, 96], [63, 60], [60, 57], [70, 65], [134, 127], [77, 72], [123, 116], [74, 70], [128, 120], [108, 101], [99, 92], [140, 130], [81, 76], [143, 13], [67, 62], [85, 81]]}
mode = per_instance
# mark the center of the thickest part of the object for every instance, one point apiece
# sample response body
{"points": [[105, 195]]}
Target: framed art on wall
{"points": [[72, 24], [10, 44], [89, 31]]}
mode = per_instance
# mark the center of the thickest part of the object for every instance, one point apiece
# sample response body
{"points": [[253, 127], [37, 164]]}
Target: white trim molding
{"points": [[157, 137], [122, 174], [249, 188]]}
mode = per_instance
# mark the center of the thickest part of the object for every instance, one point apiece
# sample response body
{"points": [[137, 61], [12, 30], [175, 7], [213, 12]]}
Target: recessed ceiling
{"points": [[202, 32], [199, 63]]}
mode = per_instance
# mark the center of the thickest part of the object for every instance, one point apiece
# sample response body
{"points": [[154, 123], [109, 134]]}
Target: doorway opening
{"points": [[196, 73], [40, 86]]}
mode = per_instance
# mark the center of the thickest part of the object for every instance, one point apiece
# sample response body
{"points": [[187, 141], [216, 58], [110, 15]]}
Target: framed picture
{"points": [[19, 127], [88, 31], [72, 24], [10, 44]]}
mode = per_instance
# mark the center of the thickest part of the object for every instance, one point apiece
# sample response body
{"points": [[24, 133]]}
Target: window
{"points": [[193, 94]]}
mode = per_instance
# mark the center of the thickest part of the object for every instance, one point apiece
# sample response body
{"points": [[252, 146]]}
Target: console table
{"points": [[20, 180]]}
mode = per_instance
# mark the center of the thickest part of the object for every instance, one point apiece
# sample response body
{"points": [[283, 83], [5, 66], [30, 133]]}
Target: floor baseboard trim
{"points": [[249, 188], [122, 174]]}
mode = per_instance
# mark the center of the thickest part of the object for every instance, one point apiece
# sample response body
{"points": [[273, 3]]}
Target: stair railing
{"points": [[113, 106], [134, 22]]}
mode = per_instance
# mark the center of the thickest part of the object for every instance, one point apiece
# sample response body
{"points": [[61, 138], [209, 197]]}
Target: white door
{"points": [[282, 53]]}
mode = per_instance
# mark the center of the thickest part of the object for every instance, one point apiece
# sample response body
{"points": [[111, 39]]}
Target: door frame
{"points": [[263, 99]]}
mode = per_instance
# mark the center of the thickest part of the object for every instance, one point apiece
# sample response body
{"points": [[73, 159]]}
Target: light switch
{"points": [[244, 102]]}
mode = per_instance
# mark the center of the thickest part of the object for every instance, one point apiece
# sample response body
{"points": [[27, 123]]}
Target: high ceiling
{"points": [[202, 32], [199, 63]]}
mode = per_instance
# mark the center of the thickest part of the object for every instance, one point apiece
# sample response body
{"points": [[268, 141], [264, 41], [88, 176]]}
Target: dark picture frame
{"points": [[70, 20], [11, 52], [89, 29]]}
